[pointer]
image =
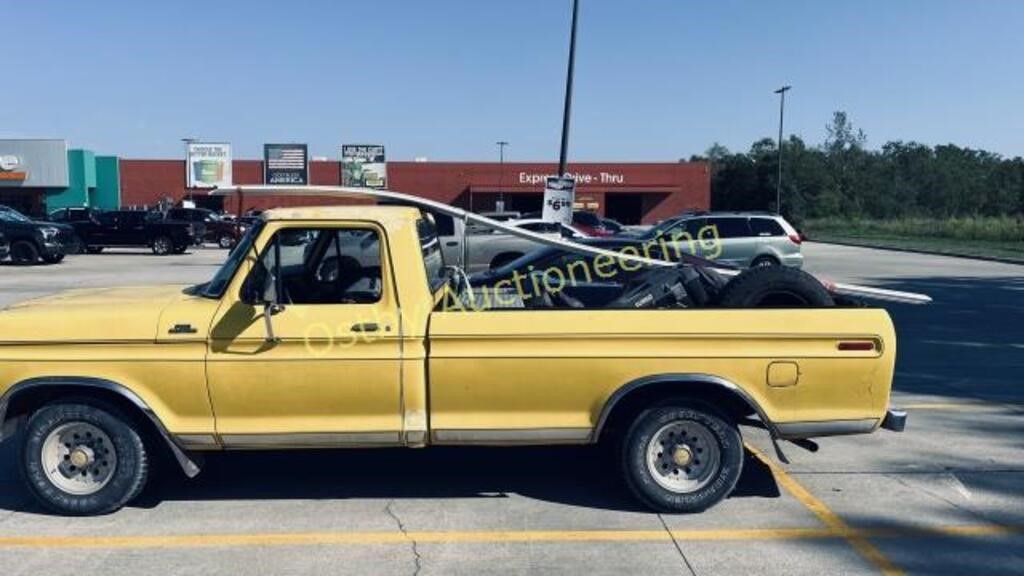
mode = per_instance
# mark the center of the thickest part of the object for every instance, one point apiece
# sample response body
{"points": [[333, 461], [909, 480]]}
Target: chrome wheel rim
{"points": [[683, 456], [163, 245], [226, 241], [79, 458]]}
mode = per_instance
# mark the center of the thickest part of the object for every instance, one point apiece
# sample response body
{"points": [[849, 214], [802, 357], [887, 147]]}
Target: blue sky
{"points": [[656, 79]]}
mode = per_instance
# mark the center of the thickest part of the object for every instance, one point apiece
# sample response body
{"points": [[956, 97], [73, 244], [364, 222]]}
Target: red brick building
{"points": [[629, 192]]}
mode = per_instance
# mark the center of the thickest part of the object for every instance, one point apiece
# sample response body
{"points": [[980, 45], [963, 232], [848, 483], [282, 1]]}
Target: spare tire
{"points": [[775, 287]]}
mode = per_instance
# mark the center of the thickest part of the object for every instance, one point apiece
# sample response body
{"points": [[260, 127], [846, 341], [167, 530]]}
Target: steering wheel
{"points": [[458, 281]]}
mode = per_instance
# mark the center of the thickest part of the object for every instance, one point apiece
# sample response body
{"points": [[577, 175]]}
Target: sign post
{"points": [[559, 192]]}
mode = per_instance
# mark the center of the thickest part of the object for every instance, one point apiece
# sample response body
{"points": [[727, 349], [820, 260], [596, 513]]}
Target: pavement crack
{"points": [[417, 559], [675, 543]]}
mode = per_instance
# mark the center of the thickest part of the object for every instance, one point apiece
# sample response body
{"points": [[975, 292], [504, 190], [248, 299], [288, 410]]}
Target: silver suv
{"points": [[744, 239]]}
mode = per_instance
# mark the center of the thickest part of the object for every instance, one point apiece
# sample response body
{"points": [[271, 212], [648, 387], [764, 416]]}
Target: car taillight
{"points": [[795, 238]]}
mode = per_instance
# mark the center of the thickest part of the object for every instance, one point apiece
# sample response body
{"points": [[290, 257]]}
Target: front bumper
{"points": [[895, 420]]}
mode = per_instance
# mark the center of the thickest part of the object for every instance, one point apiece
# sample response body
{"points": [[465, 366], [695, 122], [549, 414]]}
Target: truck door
{"points": [[331, 374]]}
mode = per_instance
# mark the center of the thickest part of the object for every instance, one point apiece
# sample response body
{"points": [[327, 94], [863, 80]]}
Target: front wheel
{"points": [[162, 246], [81, 459], [682, 458], [24, 252]]}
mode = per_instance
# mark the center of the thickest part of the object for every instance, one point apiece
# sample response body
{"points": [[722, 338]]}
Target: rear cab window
{"points": [[433, 259]]}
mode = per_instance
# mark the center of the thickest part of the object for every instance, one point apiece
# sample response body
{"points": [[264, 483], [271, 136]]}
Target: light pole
{"points": [[563, 155], [188, 189], [782, 111], [501, 175]]}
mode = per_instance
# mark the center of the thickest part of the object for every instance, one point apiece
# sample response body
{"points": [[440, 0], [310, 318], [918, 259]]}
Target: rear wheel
{"points": [[226, 241], [24, 252], [682, 457], [83, 459], [764, 261], [162, 246]]}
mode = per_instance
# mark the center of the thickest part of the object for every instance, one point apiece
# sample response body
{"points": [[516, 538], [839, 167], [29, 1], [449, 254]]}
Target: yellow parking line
{"points": [[828, 517], [470, 537]]}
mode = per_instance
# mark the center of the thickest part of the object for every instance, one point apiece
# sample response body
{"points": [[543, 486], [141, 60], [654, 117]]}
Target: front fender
{"points": [[188, 466]]}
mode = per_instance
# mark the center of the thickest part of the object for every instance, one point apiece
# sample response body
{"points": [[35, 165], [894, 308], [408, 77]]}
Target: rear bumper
{"points": [[895, 420], [795, 260]]}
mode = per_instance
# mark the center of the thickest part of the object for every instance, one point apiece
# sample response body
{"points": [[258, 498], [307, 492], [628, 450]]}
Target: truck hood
{"points": [[90, 315]]}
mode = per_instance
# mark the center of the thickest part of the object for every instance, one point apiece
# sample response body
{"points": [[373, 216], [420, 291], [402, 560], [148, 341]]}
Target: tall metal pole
{"points": [[782, 111], [187, 142], [563, 156], [501, 172]]}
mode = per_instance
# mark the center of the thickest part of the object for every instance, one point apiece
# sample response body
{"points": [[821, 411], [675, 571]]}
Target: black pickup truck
{"points": [[30, 241], [127, 228]]}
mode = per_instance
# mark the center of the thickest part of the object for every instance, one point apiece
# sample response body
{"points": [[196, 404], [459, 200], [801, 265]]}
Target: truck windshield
{"points": [[218, 284], [11, 215]]}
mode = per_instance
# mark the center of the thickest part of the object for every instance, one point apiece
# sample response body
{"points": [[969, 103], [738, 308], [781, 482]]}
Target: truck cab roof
{"points": [[382, 214]]}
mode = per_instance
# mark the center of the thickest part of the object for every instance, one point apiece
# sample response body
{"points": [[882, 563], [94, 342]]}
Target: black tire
{"points": [[775, 287], [226, 241], [502, 259], [93, 249], [722, 469], [24, 253], [54, 258], [130, 469], [764, 261], [162, 245], [180, 249]]}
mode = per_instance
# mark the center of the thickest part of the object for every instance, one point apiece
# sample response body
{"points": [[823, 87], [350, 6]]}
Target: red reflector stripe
{"points": [[860, 345]]}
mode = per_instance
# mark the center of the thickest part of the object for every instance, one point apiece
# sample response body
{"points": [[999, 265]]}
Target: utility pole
{"points": [[563, 156], [782, 111], [501, 173], [188, 189]]}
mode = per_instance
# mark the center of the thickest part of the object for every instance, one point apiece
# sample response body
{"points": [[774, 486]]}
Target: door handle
{"points": [[365, 327], [451, 243], [182, 329]]}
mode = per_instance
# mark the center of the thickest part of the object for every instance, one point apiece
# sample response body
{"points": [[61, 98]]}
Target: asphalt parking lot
{"points": [[944, 497]]}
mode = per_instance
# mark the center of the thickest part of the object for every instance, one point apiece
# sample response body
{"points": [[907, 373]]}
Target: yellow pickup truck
{"points": [[333, 327]]}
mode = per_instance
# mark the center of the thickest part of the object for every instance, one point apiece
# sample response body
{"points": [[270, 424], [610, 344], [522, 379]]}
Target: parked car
{"points": [[99, 229], [503, 216], [588, 222], [209, 225], [546, 227], [488, 248], [744, 239], [32, 241], [285, 348]]}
